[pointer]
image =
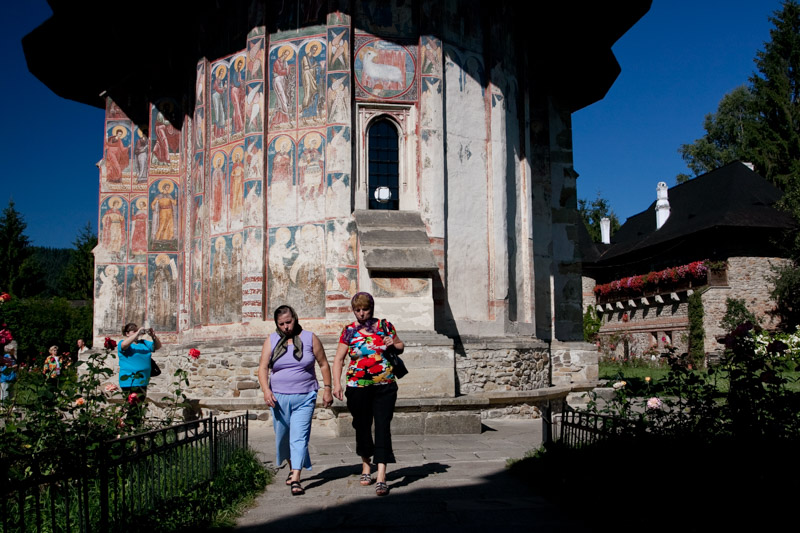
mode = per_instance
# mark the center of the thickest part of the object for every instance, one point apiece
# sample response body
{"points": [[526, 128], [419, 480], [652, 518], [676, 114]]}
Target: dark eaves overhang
{"points": [[147, 50]]}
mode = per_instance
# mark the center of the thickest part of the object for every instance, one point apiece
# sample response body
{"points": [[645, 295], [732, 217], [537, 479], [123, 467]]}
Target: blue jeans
{"points": [[291, 419]]}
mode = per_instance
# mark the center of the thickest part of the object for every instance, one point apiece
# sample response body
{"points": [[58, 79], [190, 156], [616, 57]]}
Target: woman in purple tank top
{"points": [[287, 378]]}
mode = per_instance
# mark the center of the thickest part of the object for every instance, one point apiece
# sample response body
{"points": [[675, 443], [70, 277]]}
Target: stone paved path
{"points": [[440, 483]]}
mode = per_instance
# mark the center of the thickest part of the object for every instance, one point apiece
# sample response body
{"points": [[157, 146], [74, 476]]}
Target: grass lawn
{"points": [[635, 378]]}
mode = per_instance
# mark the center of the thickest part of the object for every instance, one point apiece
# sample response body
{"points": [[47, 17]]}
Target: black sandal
{"points": [[297, 489], [381, 488], [289, 478], [365, 480]]}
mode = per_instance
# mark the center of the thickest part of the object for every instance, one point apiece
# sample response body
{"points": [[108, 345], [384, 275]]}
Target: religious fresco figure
{"points": [[255, 59], [139, 228], [253, 260], [338, 149], [307, 274], [237, 186], [253, 204], [283, 88], [108, 299], [311, 72], [254, 103], [218, 192], [254, 158], [281, 188], [219, 101], [311, 201], [338, 49], [338, 100], [113, 236], [136, 294], [140, 148], [237, 86], [163, 297], [167, 139], [281, 252], [198, 215], [233, 283], [117, 153], [197, 282], [165, 215], [219, 276]]}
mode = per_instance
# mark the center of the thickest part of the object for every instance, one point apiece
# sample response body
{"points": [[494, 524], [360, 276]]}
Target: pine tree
{"points": [[78, 280], [20, 273]]}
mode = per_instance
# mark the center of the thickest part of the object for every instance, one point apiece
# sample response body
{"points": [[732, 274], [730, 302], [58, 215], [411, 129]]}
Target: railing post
{"points": [[103, 466], [213, 447]]}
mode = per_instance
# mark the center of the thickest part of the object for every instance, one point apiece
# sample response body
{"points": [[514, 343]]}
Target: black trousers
{"points": [[368, 404]]}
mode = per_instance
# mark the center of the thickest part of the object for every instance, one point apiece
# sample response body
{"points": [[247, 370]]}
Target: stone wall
{"points": [[502, 365], [574, 362], [748, 279]]}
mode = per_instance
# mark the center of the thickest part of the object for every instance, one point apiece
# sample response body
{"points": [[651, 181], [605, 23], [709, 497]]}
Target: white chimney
{"points": [[662, 204], [749, 165], [605, 230]]}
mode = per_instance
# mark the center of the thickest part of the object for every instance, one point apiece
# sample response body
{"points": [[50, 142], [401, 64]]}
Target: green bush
{"points": [[591, 324], [39, 324], [736, 313], [697, 332]]}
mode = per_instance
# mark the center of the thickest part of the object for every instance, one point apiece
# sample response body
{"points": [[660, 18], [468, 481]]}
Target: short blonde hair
{"points": [[363, 300]]}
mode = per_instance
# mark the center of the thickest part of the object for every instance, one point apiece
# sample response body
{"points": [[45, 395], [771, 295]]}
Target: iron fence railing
{"points": [[579, 428], [118, 484]]}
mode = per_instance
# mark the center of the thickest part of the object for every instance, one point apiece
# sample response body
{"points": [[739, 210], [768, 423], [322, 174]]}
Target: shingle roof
{"points": [[730, 196]]}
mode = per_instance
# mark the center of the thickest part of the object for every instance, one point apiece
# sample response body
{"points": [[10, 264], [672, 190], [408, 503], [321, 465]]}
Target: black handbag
{"points": [[398, 366], [155, 370]]}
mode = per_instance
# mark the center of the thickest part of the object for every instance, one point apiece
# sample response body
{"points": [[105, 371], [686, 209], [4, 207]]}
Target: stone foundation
{"points": [[489, 365]]}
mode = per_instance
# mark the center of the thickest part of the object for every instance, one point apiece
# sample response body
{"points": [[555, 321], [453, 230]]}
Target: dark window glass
{"points": [[383, 164]]}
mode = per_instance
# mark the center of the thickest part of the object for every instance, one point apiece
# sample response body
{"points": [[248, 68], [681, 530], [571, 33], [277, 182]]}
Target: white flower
{"points": [[619, 384], [654, 403]]}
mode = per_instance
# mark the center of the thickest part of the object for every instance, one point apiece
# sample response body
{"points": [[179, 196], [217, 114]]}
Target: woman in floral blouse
{"points": [[371, 386]]}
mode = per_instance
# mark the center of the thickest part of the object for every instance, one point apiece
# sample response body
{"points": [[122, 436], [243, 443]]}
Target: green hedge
{"points": [[38, 324]]}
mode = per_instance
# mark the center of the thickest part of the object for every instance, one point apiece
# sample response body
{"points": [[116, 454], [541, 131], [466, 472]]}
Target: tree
{"points": [[729, 135], [592, 213], [20, 273], [78, 280]]}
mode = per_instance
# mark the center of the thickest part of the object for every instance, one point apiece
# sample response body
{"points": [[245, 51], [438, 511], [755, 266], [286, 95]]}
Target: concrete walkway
{"points": [[440, 483]]}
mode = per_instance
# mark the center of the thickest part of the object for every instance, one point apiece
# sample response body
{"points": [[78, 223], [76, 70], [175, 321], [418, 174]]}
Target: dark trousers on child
{"points": [[368, 404]]}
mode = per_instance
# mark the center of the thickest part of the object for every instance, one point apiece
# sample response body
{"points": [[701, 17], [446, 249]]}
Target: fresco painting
{"points": [[236, 191], [431, 106], [311, 172], [430, 56], [337, 195], [113, 236], [254, 107], [225, 275], [282, 200], [338, 149], [198, 216], [200, 128], [253, 204], [297, 268], [219, 192], [338, 49], [198, 173], [253, 260], [197, 316], [163, 291], [342, 281], [117, 160], [141, 152], [238, 89], [219, 102], [312, 87], [283, 81], [385, 70], [255, 59], [138, 232], [200, 85], [108, 296], [164, 140], [163, 216], [254, 157], [113, 110], [341, 241], [136, 294], [339, 98], [399, 287]]}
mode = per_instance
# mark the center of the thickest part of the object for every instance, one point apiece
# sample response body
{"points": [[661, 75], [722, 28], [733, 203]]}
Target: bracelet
{"points": [[327, 387]]}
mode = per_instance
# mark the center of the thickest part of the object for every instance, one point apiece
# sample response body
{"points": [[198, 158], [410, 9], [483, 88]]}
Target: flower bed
{"points": [[693, 274]]}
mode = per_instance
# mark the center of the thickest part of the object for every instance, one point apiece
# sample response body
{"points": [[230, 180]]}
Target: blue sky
{"points": [[677, 63]]}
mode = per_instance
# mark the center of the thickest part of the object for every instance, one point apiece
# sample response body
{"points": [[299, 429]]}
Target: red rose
{"points": [[133, 398], [110, 343], [194, 353]]}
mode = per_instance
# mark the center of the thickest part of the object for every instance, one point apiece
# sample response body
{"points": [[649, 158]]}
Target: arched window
{"points": [[384, 166]]}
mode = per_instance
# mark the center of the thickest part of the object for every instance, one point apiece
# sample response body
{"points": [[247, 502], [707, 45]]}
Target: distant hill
{"points": [[53, 262]]}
